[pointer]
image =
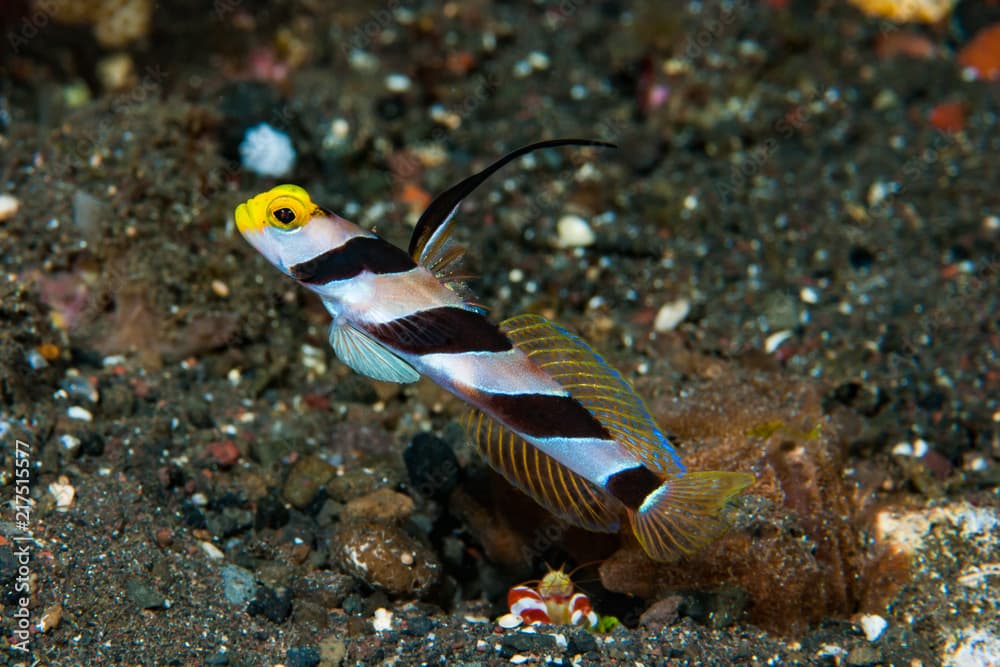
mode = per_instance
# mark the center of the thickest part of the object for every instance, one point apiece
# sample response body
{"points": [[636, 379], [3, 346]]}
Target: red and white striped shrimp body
{"points": [[554, 602], [550, 414]]}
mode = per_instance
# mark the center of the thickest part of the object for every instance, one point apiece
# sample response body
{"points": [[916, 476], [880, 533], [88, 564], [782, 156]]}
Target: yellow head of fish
{"points": [[286, 226]]}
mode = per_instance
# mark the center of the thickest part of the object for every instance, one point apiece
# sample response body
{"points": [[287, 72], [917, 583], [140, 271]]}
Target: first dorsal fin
{"points": [[551, 484], [597, 386], [429, 242]]}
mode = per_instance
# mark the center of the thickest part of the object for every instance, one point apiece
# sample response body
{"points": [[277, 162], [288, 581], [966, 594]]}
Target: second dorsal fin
{"points": [[597, 387]]}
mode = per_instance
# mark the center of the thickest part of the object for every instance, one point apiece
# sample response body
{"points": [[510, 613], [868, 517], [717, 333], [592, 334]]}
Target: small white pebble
{"points": [[920, 448], [561, 640], [9, 204], [877, 193], [313, 358], [830, 651], [69, 443], [991, 223], [690, 202], [522, 68], [574, 232], [63, 492], [199, 499], [671, 314], [340, 128], [397, 83], [519, 659], [515, 275], [212, 551], [774, 341], [538, 60], [234, 376], [873, 625], [476, 620], [36, 360], [220, 289], [81, 413], [902, 449], [809, 295], [382, 620], [406, 559], [977, 463]]}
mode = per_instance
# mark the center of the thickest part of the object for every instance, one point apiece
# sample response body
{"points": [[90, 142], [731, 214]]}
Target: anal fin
{"points": [[551, 484]]}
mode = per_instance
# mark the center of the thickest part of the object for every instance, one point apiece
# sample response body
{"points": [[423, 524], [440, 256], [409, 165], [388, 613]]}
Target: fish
{"points": [[546, 411]]}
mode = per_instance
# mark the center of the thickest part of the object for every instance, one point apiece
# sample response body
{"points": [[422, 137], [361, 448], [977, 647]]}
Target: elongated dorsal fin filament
{"points": [[431, 234]]}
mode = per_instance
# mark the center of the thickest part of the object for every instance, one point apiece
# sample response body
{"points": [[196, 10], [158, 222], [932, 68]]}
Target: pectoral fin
{"points": [[368, 356]]}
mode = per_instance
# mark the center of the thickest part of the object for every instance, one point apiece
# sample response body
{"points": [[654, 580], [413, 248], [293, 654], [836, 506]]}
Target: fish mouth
{"points": [[246, 222]]}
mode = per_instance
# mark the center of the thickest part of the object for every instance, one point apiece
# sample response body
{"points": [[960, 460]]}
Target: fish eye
{"points": [[285, 216], [287, 212]]}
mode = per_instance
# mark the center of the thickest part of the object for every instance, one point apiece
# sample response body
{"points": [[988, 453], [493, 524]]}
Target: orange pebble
{"points": [[49, 351], [948, 117], [982, 54], [904, 43], [461, 62], [415, 197]]}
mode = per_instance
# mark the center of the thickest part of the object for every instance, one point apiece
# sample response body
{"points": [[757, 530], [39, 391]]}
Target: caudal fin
{"points": [[683, 515]]}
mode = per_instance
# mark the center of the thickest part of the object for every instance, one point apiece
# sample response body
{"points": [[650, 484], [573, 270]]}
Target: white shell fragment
{"points": [[873, 625], [81, 413], [508, 621], [671, 314], [8, 206], [774, 341], [63, 492], [397, 83], [574, 232], [212, 551], [382, 621], [266, 151]]}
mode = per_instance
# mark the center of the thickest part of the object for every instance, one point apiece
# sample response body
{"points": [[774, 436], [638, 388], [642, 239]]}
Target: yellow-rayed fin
{"points": [[685, 513], [551, 484], [597, 386]]}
